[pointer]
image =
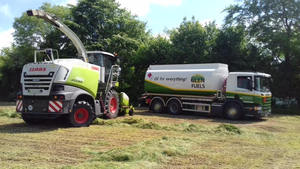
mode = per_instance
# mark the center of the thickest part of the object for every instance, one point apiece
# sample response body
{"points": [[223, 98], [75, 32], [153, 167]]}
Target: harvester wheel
{"points": [[112, 104], [174, 107], [82, 114], [157, 106], [233, 111]]}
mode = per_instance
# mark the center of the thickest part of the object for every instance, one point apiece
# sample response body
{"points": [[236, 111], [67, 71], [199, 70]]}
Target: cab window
{"points": [[244, 82], [96, 59]]}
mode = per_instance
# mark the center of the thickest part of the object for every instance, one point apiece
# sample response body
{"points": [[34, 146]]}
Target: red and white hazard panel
{"points": [[19, 105], [55, 106]]}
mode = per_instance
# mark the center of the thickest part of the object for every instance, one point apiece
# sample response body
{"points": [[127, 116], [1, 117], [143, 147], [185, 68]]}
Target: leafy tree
{"points": [[99, 23], [234, 48], [30, 33], [103, 25], [157, 50], [33, 31], [189, 42], [275, 24], [12, 60]]}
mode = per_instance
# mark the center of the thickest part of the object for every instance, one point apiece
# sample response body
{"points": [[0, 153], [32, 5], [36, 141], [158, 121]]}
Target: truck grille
{"points": [[38, 82]]}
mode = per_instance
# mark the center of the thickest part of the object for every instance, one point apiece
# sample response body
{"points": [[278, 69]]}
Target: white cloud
{"points": [[6, 38], [4, 9], [142, 8], [71, 2]]}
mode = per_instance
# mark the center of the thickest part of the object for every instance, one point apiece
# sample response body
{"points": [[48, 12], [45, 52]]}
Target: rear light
{"points": [[19, 97], [58, 97], [148, 101], [264, 100]]}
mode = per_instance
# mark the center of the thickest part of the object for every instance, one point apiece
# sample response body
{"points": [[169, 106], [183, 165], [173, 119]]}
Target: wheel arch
{"points": [[87, 98], [82, 95]]}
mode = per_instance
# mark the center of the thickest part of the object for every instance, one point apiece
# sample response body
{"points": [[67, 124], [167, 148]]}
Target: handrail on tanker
{"points": [[53, 20]]}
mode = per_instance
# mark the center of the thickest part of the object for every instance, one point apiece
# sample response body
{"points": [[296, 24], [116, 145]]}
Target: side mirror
{"points": [[118, 61]]}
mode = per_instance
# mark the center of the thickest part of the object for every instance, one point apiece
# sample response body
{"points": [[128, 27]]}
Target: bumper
{"points": [[43, 105], [257, 112]]}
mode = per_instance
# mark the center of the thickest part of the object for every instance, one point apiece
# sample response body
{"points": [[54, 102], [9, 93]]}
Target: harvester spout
{"points": [[53, 20]]}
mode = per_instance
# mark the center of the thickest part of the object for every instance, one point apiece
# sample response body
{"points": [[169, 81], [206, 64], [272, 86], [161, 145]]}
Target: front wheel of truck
{"points": [[233, 111], [82, 114]]}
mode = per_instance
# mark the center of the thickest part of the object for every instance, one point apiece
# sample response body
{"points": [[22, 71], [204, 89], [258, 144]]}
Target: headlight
{"points": [[61, 74]]}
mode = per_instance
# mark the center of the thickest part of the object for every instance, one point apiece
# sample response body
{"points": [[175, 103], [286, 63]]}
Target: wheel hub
{"points": [[157, 107], [174, 108], [232, 111], [113, 105], [81, 116]]}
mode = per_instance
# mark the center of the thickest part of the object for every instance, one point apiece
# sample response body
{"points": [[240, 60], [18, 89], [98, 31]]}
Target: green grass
{"points": [[150, 141], [9, 112]]}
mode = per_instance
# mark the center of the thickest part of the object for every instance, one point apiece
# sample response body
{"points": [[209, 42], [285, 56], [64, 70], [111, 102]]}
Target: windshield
{"points": [[262, 84], [95, 58]]}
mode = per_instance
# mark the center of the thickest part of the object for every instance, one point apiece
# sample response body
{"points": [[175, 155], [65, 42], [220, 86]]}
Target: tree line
{"points": [[258, 35]]}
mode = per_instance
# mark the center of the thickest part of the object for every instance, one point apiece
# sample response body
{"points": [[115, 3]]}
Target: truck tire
{"points": [[233, 111], [157, 106], [174, 107], [81, 115], [31, 120], [112, 104]]}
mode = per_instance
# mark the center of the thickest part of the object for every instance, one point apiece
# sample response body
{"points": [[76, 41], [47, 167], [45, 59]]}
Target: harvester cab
{"points": [[81, 88]]}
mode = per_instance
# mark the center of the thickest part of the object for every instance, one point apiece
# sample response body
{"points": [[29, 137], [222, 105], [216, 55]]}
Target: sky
{"points": [[160, 15]]}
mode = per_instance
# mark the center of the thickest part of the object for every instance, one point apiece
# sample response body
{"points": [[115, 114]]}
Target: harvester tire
{"points": [[81, 115], [112, 104], [174, 107], [233, 111]]}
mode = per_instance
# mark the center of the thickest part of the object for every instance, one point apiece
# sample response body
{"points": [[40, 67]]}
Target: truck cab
{"points": [[252, 90]]}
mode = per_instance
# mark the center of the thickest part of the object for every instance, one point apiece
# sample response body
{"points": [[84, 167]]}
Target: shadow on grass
{"points": [[199, 116], [22, 127]]}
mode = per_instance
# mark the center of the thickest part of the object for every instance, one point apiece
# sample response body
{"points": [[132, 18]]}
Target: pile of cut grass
{"points": [[182, 127]]}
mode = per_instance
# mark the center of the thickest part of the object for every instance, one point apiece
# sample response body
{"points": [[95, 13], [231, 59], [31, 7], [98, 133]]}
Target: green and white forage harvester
{"points": [[207, 88], [80, 89]]}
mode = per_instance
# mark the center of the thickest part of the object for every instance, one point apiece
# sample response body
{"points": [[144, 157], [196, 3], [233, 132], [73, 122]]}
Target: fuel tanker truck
{"points": [[80, 89], [207, 88]]}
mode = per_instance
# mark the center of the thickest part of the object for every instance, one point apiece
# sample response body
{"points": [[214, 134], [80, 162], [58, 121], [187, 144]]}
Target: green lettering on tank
{"points": [[85, 79], [152, 87]]}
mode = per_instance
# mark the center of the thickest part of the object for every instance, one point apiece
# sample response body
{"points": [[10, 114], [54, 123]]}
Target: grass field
{"points": [[149, 140]]}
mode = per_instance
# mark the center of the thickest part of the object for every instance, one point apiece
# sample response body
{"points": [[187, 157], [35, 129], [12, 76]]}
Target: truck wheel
{"points": [[174, 107], [233, 111], [157, 106], [112, 104], [82, 114], [31, 120]]}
